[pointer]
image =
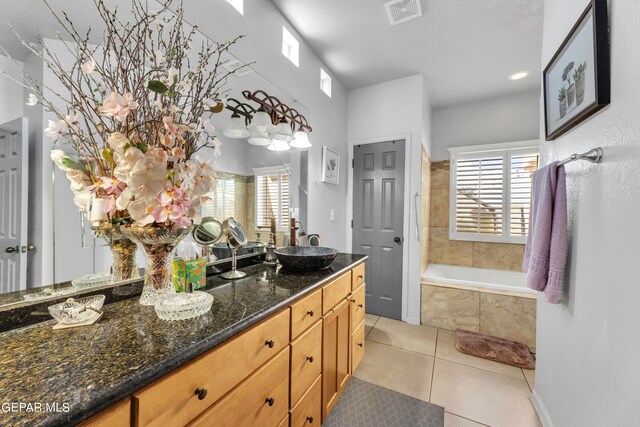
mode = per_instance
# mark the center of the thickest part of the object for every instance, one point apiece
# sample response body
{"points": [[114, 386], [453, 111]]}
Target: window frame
{"points": [[265, 171], [507, 150], [325, 82], [237, 5], [290, 47]]}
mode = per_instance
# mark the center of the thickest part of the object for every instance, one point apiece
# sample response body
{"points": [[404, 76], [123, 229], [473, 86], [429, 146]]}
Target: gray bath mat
{"points": [[363, 404]]}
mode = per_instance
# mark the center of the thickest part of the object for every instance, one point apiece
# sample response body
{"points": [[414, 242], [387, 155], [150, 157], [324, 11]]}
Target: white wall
{"points": [[262, 24], [390, 111], [10, 92], [587, 348], [502, 119]]}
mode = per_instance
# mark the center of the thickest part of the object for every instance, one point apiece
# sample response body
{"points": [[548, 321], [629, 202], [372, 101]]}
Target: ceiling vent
{"points": [[235, 66], [399, 11]]}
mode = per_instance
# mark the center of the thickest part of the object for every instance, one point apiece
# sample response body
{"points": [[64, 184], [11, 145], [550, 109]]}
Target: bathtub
{"points": [[478, 279], [493, 302]]}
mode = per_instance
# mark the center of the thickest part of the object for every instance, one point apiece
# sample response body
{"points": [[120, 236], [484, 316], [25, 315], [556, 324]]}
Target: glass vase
{"points": [[158, 244], [123, 251]]}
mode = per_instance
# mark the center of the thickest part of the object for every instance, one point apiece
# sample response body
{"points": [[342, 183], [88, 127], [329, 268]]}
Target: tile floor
{"points": [[423, 362]]}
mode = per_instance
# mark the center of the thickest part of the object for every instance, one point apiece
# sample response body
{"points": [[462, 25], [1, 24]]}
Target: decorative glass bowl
{"points": [[183, 306], [91, 280], [77, 310]]}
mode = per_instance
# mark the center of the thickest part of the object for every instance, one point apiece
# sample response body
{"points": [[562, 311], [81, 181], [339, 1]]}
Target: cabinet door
{"points": [[335, 355]]}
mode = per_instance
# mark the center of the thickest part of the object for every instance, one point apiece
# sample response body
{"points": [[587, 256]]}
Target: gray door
{"points": [[14, 153], [378, 215]]}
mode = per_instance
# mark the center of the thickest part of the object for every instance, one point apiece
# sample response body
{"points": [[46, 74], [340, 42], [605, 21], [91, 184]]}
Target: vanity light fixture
{"points": [[519, 75], [269, 125]]}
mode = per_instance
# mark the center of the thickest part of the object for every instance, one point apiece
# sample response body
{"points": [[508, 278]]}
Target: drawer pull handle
{"points": [[310, 359], [360, 276], [201, 393], [270, 343], [310, 419], [353, 300], [310, 313], [269, 400], [359, 344], [360, 305]]}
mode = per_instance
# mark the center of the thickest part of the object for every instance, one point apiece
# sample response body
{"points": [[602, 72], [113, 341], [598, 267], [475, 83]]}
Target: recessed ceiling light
{"points": [[519, 75]]}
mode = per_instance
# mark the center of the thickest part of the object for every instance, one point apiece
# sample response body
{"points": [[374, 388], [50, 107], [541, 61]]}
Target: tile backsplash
{"points": [[500, 256]]}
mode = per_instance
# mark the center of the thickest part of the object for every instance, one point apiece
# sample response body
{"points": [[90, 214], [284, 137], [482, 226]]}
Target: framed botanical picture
{"points": [[576, 80], [330, 165]]}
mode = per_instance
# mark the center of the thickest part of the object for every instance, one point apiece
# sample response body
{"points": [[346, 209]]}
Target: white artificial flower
{"points": [[216, 144], [117, 141], [33, 100], [58, 156], [83, 200], [55, 129], [207, 126], [141, 210], [89, 66]]}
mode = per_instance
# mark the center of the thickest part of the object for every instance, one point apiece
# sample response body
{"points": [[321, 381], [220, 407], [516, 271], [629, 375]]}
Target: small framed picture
{"points": [[576, 80], [330, 166]]}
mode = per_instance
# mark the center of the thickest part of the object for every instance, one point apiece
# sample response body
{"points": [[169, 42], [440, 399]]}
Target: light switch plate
{"points": [[333, 214]]}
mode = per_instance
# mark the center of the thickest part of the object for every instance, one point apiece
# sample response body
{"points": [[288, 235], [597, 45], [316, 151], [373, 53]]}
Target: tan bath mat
{"points": [[494, 348]]}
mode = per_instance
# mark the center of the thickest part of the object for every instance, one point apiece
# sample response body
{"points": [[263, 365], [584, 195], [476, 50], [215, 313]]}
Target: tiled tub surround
{"points": [[499, 256], [95, 367], [506, 315]]}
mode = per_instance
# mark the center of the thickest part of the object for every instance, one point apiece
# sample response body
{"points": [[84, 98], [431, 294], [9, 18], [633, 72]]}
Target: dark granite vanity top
{"points": [[86, 370]]}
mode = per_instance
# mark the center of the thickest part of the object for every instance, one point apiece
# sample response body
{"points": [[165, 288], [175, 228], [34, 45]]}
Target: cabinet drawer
{"points": [[119, 415], [357, 307], [308, 411], [357, 277], [306, 361], [335, 291], [305, 311], [357, 347], [261, 400], [285, 422], [172, 399]]}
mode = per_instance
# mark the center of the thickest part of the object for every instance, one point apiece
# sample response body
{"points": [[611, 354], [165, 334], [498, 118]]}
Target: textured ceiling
{"points": [[466, 49]]}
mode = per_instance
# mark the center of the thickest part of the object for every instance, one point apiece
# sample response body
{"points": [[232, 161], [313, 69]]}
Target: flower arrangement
{"points": [[135, 115]]}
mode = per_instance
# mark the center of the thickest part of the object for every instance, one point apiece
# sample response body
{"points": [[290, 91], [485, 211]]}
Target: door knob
{"points": [[397, 239], [12, 249]]}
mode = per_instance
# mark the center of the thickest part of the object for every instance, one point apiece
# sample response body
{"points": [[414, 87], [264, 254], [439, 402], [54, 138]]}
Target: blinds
{"points": [[221, 203], [479, 184], [491, 197], [272, 198], [522, 165]]}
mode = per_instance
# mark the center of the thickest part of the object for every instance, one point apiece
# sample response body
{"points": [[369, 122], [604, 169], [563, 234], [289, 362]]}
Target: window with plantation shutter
{"points": [[490, 192], [272, 197], [221, 203]]}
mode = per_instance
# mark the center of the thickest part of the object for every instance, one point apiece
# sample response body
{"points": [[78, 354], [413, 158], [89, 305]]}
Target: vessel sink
{"points": [[305, 258]]}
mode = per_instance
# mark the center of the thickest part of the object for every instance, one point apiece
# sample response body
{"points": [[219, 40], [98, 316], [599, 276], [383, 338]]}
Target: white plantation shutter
{"points": [[221, 203], [522, 165], [479, 194], [490, 194], [272, 197]]}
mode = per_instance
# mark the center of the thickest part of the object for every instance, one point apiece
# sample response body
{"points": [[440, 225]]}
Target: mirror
{"points": [[53, 244], [208, 232]]}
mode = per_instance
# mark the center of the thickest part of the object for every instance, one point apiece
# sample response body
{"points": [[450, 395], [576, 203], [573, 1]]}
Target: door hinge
{"points": [[351, 223], [353, 163]]}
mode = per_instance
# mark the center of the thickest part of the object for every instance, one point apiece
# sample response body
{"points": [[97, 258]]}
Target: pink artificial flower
{"points": [[171, 212], [110, 205], [55, 129], [89, 66], [112, 185], [169, 125], [178, 153], [141, 210], [168, 140], [118, 106], [173, 195]]}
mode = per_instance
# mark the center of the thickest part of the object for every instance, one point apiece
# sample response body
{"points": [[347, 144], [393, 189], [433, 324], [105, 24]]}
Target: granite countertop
{"points": [[82, 371]]}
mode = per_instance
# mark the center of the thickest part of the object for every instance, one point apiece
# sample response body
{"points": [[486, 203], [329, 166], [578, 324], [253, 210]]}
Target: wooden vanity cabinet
{"points": [[119, 415], [335, 355], [287, 371]]}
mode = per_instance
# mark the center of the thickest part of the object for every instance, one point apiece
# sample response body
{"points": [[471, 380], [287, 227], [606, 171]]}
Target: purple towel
{"points": [[546, 251]]}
